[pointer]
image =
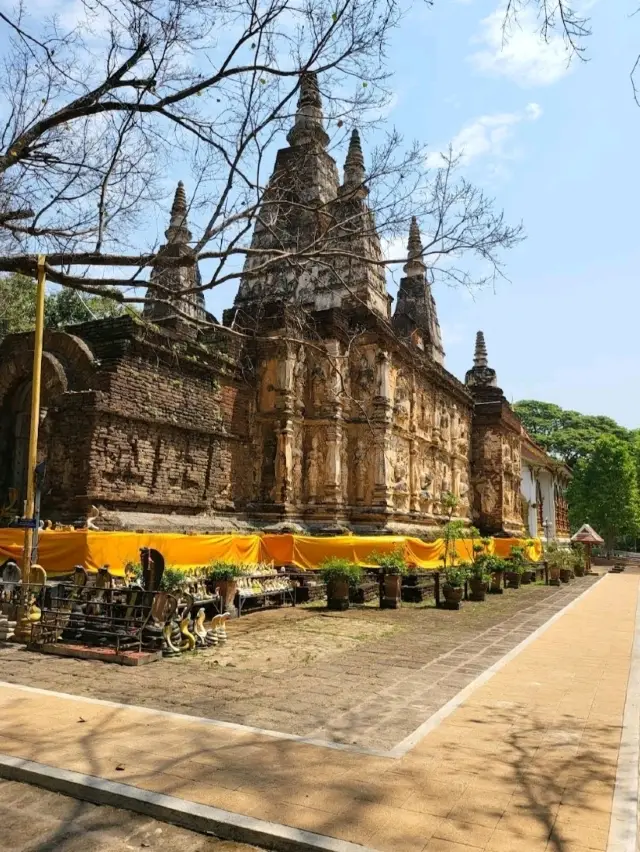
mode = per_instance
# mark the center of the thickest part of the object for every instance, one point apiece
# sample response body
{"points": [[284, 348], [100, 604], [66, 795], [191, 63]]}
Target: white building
{"points": [[543, 487]]}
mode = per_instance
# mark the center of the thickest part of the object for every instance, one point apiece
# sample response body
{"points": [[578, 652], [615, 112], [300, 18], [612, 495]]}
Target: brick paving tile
{"points": [[520, 766], [275, 670]]}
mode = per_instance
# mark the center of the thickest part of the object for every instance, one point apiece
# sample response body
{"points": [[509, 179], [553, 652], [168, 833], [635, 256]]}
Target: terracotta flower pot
{"points": [[392, 591], [478, 589], [554, 576], [338, 594]]}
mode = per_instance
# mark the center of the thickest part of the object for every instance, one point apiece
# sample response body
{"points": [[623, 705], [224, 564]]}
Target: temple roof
{"points": [[587, 535]]}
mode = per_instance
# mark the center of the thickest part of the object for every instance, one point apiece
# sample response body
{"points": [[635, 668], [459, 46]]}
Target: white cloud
{"points": [[520, 53], [487, 136]]}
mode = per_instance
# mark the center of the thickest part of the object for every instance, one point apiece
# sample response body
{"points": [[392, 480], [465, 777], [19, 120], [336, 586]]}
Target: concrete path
{"points": [[526, 762], [34, 820]]}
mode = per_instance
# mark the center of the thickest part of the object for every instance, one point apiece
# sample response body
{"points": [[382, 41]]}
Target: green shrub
{"points": [[390, 563], [224, 571], [173, 579], [491, 564], [578, 557], [455, 577], [558, 557], [333, 568], [478, 571]]}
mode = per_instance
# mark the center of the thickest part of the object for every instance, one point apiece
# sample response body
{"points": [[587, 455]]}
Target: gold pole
{"points": [[35, 418]]}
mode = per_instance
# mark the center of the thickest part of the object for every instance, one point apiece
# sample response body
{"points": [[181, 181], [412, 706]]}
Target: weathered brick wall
{"points": [[171, 424], [136, 419]]}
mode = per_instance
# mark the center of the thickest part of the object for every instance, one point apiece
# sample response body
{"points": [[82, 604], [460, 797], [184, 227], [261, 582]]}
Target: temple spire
{"points": [[415, 265], [354, 173], [480, 357], [178, 230], [309, 120], [415, 315], [481, 375]]}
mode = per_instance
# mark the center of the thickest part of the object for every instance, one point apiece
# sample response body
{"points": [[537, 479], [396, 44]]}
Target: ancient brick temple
{"points": [[313, 404]]}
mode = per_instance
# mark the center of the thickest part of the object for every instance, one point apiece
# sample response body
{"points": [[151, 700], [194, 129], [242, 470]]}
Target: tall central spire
{"points": [[165, 301], [354, 172], [416, 307], [415, 265], [178, 230], [309, 121]]}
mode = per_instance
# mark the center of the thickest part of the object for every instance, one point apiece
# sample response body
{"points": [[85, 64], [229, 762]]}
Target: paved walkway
{"points": [[33, 820], [367, 677], [526, 763]]}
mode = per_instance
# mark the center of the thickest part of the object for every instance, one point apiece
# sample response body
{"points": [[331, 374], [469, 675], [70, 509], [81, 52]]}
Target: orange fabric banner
{"points": [[60, 551]]}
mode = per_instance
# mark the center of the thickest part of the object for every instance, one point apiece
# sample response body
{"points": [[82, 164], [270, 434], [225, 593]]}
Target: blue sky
{"points": [[556, 146]]}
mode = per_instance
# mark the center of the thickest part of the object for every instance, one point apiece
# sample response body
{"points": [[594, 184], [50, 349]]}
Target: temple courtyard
{"points": [[507, 726], [365, 677]]}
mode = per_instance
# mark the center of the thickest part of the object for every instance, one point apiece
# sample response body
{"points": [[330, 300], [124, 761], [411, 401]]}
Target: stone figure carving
{"points": [[400, 475], [455, 424], [299, 372], [445, 427], [312, 470], [318, 384], [383, 389], [425, 485], [297, 470], [402, 407], [360, 470], [446, 479], [365, 377]]}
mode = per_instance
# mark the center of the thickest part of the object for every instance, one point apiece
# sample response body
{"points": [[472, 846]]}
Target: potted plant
{"points": [[392, 567], [453, 588], [495, 568], [579, 561], [224, 576], [339, 574], [557, 559], [519, 558], [478, 579], [515, 568], [173, 580]]}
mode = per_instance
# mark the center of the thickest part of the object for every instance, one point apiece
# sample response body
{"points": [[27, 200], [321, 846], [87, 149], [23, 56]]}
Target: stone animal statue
{"points": [[189, 643]]}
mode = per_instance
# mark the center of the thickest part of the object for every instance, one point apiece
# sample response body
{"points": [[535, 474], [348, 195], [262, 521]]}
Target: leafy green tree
{"points": [[67, 307], [567, 435], [17, 304], [604, 491], [62, 307]]}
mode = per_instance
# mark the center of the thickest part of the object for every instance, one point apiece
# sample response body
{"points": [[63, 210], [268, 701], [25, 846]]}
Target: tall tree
{"points": [[604, 491], [98, 110], [62, 307], [566, 435], [17, 304]]}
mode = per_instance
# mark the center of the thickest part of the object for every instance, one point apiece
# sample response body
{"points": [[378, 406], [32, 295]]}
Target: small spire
{"points": [[178, 230], [481, 376], [415, 265], [354, 172], [308, 124], [480, 358]]}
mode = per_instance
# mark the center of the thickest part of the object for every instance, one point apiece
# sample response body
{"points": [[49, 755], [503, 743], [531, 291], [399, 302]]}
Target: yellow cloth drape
{"points": [[60, 551]]}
